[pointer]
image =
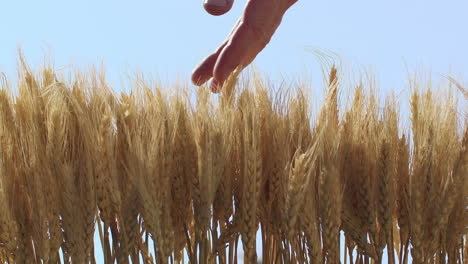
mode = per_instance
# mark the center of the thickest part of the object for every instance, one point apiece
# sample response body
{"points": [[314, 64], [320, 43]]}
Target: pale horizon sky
{"points": [[169, 38]]}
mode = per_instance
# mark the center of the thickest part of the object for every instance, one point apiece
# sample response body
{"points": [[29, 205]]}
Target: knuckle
{"points": [[259, 32]]}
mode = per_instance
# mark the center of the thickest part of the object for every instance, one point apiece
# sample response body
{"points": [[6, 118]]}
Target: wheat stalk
{"points": [[197, 177]]}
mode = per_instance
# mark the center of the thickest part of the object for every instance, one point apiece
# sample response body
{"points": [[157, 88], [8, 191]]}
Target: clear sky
{"points": [[168, 38]]}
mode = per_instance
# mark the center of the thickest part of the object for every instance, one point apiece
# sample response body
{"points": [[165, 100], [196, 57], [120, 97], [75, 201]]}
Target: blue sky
{"points": [[168, 38]]}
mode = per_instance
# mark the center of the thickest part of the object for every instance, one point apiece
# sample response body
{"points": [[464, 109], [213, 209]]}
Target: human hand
{"points": [[249, 36]]}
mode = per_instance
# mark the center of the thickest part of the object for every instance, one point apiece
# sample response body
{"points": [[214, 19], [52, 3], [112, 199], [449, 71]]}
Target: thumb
{"points": [[217, 7]]}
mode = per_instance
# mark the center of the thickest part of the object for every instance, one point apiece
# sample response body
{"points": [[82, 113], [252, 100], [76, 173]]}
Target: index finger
{"points": [[259, 22]]}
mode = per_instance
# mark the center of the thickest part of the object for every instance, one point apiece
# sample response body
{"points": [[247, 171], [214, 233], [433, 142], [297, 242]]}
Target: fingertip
{"points": [[204, 71], [217, 7], [221, 70], [197, 78]]}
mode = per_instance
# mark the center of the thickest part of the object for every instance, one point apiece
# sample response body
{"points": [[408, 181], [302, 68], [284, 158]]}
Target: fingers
{"points": [[234, 53], [245, 44], [261, 43], [204, 71], [217, 7], [249, 36], [260, 20]]}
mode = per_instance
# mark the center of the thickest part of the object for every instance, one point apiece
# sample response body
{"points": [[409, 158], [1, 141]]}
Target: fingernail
{"points": [[217, 7]]}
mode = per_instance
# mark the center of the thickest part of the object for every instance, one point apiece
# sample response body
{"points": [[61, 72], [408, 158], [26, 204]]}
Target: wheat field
{"points": [[168, 177]]}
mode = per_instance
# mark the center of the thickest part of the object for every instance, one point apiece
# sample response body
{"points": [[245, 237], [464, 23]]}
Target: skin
{"points": [[247, 39]]}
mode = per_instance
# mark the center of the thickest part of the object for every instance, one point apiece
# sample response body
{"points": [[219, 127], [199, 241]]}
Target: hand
{"points": [[249, 36]]}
